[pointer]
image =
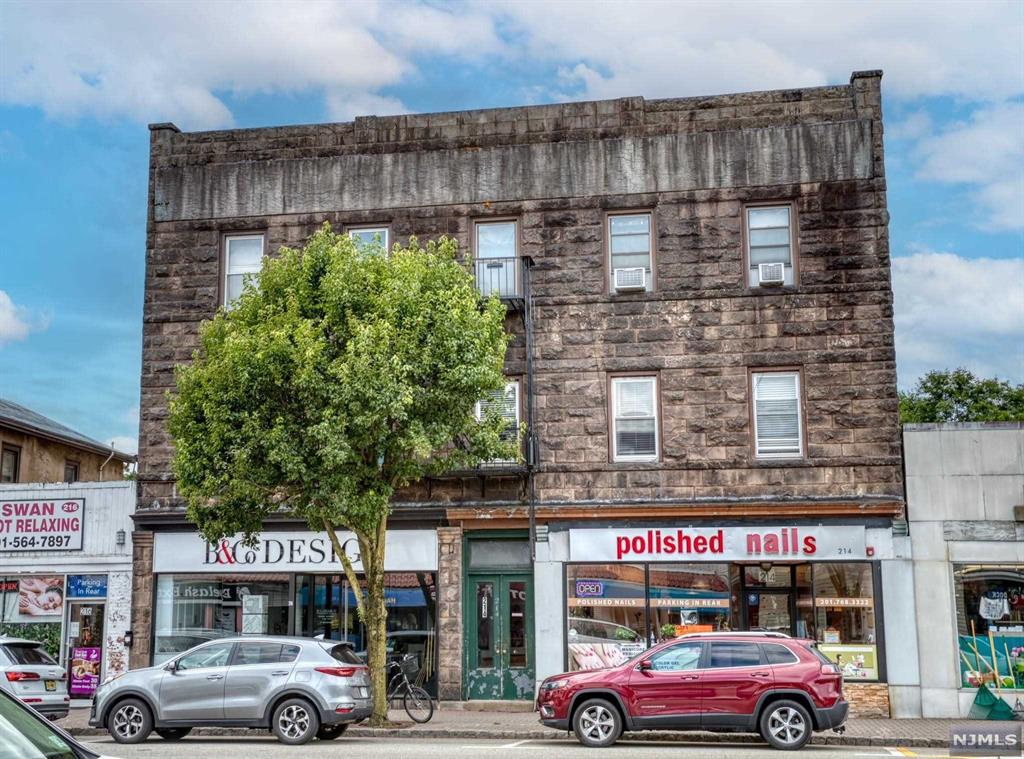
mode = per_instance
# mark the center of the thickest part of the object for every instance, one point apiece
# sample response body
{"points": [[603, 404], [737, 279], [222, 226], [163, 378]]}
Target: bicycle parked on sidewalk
{"points": [[416, 701]]}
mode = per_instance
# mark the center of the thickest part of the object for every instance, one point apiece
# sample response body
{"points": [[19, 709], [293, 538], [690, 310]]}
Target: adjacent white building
{"points": [[66, 573], [965, 504]]}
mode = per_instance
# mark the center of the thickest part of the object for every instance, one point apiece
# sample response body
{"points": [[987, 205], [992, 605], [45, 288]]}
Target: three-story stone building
{"points": [[701, 299]]}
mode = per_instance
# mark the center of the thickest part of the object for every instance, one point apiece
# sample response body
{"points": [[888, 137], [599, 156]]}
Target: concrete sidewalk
{"points": [[458, 723]]}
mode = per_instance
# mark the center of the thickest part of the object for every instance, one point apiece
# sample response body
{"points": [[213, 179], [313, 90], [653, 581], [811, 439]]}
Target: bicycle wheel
{"points": [[418, 705]]}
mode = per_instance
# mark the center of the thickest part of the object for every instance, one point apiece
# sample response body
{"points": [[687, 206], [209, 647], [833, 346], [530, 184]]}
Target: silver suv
{"points": [[30, 674], [299, 688]]}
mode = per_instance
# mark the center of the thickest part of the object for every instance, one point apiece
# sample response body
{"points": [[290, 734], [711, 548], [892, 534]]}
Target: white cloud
{"points": [[15, 321], [986, 152], [124, 443], [167, 60], [163, 60], [971, 50], [952, 311]]}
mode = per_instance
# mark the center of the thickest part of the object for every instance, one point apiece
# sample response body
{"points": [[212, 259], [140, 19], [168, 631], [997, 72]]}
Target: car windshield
{"points": [[27, 653], [344, 654], [25, 736]]}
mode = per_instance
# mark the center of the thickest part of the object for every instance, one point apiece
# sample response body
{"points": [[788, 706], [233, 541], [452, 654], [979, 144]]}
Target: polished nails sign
{"points": [[720, 544]]}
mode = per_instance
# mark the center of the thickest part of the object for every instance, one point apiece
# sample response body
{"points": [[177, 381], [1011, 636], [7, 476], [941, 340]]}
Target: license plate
{"points": [[364, 692], [51, 685]]}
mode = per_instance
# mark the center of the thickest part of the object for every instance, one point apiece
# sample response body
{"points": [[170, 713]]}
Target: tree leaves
{"points": [[336, 379], [959, 396]]}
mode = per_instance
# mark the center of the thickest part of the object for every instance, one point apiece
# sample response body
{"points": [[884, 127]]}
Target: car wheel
{"points": [[597, 723], [330, 732], [173, 733], [786, 725], [130, 721], [295, 722]]}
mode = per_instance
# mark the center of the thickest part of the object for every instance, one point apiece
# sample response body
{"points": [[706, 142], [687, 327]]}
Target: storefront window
{"points": [[327, 607], [990, 622], [687, 598], [33, 608], [616, 610], [194, 609], [607, 623], [845, 617]]}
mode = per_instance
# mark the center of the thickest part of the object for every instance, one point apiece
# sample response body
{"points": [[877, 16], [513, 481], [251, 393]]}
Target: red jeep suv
{"points": [[780, 687]]}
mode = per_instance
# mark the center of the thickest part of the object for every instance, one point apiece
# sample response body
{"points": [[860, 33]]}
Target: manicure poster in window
{"points": [[855, 662]]}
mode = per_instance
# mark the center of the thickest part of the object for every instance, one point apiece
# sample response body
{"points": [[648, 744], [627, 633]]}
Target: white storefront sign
{"points": [[771, 543], [42, 525], [305, 551]]}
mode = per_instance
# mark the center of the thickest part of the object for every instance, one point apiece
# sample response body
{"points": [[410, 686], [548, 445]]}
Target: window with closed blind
{"points": [[506, 403], [777, 425], [634, 418]]}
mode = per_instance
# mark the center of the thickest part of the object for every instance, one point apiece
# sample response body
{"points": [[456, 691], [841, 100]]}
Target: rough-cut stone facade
{"points": [[693, 163], [702, 329]]}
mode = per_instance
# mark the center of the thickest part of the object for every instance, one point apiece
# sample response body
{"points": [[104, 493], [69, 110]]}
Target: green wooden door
{"points": [[499, 636]]}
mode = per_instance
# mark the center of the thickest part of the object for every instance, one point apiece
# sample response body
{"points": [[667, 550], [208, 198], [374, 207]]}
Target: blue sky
{"points": [[80, 81]]}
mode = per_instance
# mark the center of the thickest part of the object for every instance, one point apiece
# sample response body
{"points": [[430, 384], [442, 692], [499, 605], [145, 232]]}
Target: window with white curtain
{"points": [[769, 240], [243, 257], [506, 403], [777, 424], [634, 419], [372, 239], [629, 246]]}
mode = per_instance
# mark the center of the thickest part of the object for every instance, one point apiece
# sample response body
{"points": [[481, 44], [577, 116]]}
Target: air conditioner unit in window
{"points": [[630, 279], [771, 274]]}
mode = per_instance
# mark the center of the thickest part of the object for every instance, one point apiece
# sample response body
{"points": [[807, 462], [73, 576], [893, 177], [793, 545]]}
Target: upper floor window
{"points": [[495, 247], [634, 419], [769, 234], [777, 425], [70, 471], [630, 252], [243, 257], [371, 238], [506, 403], [10, 461]]}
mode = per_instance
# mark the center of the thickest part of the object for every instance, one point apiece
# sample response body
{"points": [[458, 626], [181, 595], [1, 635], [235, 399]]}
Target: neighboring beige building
{"points": [[35, 448]]}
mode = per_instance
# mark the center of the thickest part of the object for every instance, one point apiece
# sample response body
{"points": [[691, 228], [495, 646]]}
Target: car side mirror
{"points": [[645, 664], [171, 666]]}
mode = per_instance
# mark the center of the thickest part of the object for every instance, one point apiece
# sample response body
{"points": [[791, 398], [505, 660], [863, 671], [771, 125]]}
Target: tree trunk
{"points": [[376, 638], [372, 609]]}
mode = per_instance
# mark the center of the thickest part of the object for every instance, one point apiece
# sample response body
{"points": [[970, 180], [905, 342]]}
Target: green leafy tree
{"points": [[959, 396], [338, 377]]}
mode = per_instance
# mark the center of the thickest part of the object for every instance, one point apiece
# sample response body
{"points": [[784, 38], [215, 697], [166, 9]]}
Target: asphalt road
{"points": [[400, 748]]}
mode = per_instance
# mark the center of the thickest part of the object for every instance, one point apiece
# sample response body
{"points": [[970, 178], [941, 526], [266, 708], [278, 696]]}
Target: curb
{"points": [[820, 739]]}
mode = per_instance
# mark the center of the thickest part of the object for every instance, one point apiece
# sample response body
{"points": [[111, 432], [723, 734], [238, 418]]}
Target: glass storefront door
{"points": [[769, 611], [84, 651]]}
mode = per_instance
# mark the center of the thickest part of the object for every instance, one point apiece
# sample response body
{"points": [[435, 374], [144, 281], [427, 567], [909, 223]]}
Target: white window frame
{"points": [[768, 453], [508, 282], [653, 381], [384, 232], [789, 267], [511, 385], [649, 269], [227, 260]]}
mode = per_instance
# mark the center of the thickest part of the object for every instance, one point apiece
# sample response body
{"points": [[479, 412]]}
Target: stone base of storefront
{"points": [[449, 613], [867, 699]]}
